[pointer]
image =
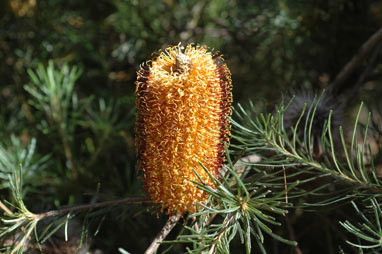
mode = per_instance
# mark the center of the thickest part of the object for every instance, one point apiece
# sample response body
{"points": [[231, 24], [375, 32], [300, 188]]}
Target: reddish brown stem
{"points": [[92, 206]]}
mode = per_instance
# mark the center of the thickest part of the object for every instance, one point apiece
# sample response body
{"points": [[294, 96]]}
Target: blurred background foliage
{"points": [[81, 149]]}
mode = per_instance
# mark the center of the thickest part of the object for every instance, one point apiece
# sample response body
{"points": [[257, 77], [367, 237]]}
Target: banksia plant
{"points": [[184, 102]]}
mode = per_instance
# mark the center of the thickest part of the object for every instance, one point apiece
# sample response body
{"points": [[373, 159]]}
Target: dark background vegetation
{"points": [[270, 47]]}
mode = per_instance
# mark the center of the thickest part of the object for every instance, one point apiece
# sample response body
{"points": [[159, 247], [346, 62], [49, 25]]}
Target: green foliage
{"points": [[245, 210], [22, 218], [52, 91], [17, 155], [67, 126], [277, 182], [370, 231], [244, 204]]}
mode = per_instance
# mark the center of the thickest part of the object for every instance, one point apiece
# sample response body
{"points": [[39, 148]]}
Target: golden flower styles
{"points": [[183, 107]]}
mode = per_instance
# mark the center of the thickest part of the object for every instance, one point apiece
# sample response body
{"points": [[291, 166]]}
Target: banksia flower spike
{"points": [[184, 103]]}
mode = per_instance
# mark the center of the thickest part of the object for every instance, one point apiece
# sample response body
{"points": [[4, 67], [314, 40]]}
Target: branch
{"points": [[92, 206], [357, 59], [162, 234]]}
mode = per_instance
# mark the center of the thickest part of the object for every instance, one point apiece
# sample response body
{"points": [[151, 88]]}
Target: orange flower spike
{"points": [[184, 102]]}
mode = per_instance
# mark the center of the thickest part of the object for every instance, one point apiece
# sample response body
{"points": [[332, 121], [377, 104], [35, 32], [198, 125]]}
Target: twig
{"points": [[92, 206], [220, 234], [285, 186], [162, 234], [288, 222], [20, 245], [67, 151], [365, 73], [2, 206], [357, 59]]}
